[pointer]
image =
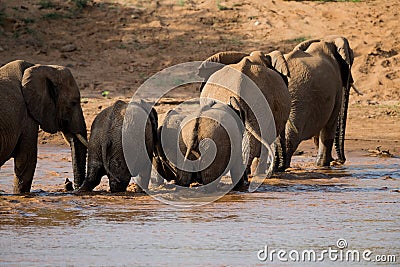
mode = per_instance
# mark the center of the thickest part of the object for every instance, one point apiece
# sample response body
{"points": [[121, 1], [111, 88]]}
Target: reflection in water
{"points": [[304, 209]]}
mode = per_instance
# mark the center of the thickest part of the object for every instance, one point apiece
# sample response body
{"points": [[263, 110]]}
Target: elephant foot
{"points": [[323, 161], [137, 189], [280, 168], [242, 185], [85, 188]]}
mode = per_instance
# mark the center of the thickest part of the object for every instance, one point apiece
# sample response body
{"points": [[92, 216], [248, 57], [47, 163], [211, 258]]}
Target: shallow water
{"points": [[303, 210]]}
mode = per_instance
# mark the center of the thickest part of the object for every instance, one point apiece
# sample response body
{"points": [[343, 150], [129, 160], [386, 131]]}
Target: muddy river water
{"points": [[352, 208]]}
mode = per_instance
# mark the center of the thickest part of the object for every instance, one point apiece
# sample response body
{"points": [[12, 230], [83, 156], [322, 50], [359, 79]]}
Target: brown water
{"points": [[306, 209]]}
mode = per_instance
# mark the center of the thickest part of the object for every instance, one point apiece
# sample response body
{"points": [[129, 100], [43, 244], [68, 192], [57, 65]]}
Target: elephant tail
{"points": [[257, 136], [341, 127]]}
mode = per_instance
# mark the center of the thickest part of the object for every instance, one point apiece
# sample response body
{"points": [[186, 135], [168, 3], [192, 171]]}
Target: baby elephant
{"points": [[106, 151]]}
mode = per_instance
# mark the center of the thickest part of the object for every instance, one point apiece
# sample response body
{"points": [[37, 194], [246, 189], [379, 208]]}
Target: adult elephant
{"points": [[202, 147], [259, 82], [319, 87], [33, 96], [108, 152]]}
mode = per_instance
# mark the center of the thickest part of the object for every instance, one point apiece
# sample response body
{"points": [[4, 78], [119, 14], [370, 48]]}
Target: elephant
{"points": [[319, 87], [107, 151], [259, 81], [164, 167], [190, 137], [36, 95]]}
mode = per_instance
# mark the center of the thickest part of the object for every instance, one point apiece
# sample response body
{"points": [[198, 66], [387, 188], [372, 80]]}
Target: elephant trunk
{"points": [[341, 127], [78, 152], [77, 139]]}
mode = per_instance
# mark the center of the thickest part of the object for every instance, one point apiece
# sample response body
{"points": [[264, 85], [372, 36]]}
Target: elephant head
{"points": [[52, 98], [208, 67], [340, 50], [274, 60], [170, 129]]}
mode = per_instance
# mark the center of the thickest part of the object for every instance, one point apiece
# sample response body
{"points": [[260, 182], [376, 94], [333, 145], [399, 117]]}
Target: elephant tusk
{"points": [[257, 136], [66, 139], [82, 140], [291, 124], [356, 89]]}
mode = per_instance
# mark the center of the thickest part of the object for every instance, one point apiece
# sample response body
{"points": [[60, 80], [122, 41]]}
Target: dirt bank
{"points": [[114, 46]]}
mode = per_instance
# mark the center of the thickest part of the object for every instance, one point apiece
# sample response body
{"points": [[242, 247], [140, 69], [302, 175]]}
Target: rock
{"points": [[68, 185], [129, 39], [155, 24], [68, 48]]}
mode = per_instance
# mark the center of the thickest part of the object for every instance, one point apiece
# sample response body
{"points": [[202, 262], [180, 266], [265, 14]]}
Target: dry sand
{"points": [[116, 45]]}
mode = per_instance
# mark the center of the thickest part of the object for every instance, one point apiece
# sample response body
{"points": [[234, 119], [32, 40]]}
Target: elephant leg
{"points": [[316, 141], [95, 167], [95, 172], [262, 163], [118, 183], [292, 142], [144, 177], [324, 157], [25, 159], [326, 138], [280, 153], [239, 177], [157, 180], [118, 174]]}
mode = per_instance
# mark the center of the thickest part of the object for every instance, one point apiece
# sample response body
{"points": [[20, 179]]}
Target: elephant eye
{"points": [[74, 103]]}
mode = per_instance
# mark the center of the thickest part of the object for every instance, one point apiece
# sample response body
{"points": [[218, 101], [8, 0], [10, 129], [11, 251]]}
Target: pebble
{"points": [[68, 48]]}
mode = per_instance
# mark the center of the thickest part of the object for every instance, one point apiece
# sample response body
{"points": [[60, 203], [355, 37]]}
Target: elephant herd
{"points": [[248, 103]]}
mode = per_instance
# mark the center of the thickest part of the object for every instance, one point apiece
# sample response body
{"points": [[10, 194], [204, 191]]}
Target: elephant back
{"points": [[14, 70], [254, 85]]}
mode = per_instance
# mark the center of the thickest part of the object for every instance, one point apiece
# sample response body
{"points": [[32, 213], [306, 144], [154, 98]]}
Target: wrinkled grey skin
{"points": [[319, 87], [170, 127], [106, 153], [269, 72], [191, 145], [33, 96]]}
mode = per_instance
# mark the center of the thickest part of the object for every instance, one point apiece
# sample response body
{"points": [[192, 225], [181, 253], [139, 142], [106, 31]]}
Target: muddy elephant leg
{"points": [[326, 139], [118, 183], [95, 172], [157, 180], [143, 179], [316, 141], [280, 153], [25, 159], [292, 142], [118, 174], [239, 177], [263, 160], [324, 156], [95, 167]]}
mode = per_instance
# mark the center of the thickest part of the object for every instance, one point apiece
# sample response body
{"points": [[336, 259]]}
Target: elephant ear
{"points": [[40, 94], [279, 64], [344, 50], [303, 46], [207, 68], [235, 105], [154, 124]]}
